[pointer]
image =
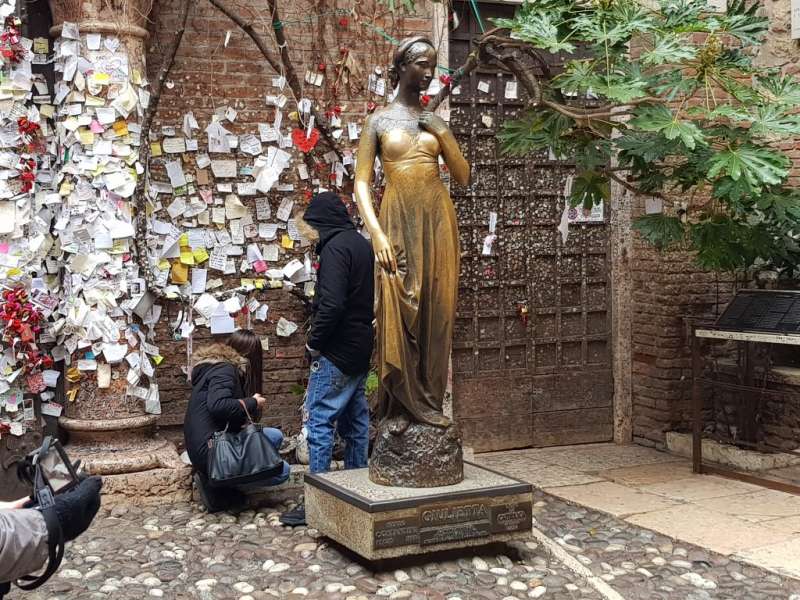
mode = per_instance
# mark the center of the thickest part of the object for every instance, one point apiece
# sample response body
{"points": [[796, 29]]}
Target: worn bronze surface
{"points": [[416, 243], [420, 456]]}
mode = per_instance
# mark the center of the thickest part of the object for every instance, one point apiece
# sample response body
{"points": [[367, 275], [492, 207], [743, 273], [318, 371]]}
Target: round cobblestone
{"points": [[175, 551]]}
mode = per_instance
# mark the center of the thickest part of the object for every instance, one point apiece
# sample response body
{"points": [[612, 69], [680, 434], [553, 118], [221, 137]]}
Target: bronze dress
{"points": [[415, 307]]}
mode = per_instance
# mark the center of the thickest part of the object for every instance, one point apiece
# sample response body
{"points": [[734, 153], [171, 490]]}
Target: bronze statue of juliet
{"points": [[416, 245]]}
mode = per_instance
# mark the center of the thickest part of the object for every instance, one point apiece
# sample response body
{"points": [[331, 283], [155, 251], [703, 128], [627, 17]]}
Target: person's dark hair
{"points": [[402, 56], [246, 343]]}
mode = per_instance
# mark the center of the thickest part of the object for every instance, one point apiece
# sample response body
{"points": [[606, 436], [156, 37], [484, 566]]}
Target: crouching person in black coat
{"points": [[225, 376]]}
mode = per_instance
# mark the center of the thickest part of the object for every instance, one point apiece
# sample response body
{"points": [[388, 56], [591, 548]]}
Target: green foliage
{"points": [[589, 188], [372, 383], [682, 110], [660, 230]]}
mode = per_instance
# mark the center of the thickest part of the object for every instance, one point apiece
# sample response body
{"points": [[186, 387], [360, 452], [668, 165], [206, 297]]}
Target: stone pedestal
{"points": [[379, 522]]}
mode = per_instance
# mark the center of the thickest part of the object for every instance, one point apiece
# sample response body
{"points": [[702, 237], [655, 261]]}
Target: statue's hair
{"points": [[409, 49]]}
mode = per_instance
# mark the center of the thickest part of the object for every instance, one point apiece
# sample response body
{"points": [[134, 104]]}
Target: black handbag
{"points": [[243, 457]]}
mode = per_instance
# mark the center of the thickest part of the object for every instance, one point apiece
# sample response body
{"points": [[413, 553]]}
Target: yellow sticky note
{"points": [[100, 78], [286, 242], [187, 257], [183, 240], [163, 264], [65, 189], [120, 127], [155, 149], [180, 273], [120, 246], [41, 45], [200, 255], [246, 282], [260, 283], [158, 359], [136, 77], [86, 136], [14, 272]]}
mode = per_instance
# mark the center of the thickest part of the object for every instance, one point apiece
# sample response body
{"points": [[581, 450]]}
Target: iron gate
{"points": [[541, 378]]}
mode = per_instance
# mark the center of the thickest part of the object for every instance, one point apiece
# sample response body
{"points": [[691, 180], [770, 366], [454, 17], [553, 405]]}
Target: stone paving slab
{"points": [[760, 505], [699, 487], [717, 531], [613, 498], [648, 474], [783, 558]]}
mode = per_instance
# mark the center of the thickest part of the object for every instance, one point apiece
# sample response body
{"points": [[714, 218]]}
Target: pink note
{"points": [[96, 127], [260, 266]]}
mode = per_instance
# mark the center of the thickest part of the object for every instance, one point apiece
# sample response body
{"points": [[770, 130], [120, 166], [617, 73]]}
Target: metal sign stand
{"points": [[753, 317]]}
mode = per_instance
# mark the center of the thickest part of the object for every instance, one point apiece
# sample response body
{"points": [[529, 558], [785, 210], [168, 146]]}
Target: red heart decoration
{"points": [[306, 144]]}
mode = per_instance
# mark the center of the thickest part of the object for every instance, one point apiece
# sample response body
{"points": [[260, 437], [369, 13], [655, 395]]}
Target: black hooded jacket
{"points": [[343, 302]]}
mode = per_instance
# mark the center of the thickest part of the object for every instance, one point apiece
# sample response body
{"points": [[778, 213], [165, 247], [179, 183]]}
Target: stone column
{"points": [[110, 427]]}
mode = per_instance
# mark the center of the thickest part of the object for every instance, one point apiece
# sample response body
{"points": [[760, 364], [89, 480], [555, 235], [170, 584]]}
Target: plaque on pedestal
{"points": [[378, 521]]}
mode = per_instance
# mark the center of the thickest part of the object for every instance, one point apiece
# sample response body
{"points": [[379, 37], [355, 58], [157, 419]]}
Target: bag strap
{"points": [[55, 552], [247, 412]]}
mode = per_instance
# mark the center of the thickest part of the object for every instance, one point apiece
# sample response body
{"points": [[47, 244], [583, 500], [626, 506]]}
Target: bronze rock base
{"points": [[420, 456]]}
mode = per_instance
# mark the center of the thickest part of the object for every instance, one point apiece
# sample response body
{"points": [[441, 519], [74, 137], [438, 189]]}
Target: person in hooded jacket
{"points": [[339, 345], [224, 377]]}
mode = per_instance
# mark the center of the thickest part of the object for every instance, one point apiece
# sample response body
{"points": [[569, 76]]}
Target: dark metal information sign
{"points": [[451, 522], [767, 311]]}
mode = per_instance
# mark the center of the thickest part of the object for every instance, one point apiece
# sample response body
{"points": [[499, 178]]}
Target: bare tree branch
{"points": [[284, 66], [628, 186], [144, 150], [291, 75]]}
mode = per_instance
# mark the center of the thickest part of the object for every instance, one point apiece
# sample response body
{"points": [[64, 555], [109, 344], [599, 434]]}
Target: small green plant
{"points": [[372, 383]]}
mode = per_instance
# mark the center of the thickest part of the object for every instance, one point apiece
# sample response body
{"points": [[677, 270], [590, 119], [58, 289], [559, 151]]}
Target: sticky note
{"points": [[180, 273], [86, 136], [183, 240], [200, 255], [158, 359], [286, 242], [163, 265], [155, 149], [120, 127], [187, 258]]}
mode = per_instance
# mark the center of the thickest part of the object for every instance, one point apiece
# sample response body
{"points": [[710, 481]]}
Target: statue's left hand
{"points": [[433, 123]]}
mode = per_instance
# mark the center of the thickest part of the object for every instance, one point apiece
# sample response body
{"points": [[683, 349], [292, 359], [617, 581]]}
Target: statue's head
{"points": [[414, 63]]}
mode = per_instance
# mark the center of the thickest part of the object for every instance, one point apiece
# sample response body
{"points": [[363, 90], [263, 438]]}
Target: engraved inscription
{"points": [[451, 522], [507, 518], [442, 534], [395, 532], [447, 514]]}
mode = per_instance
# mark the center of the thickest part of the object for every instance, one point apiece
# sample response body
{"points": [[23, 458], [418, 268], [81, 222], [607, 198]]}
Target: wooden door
{"points": [[517, 382]]}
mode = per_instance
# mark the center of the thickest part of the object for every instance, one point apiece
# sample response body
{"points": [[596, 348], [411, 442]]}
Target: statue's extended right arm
{"points": [[365, 159]]}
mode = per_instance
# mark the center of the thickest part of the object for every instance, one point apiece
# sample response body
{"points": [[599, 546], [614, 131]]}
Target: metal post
{"points": [[697, 407]]}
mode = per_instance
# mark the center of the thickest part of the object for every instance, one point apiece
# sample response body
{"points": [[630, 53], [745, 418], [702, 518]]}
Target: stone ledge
{"points": [[729, 456]]}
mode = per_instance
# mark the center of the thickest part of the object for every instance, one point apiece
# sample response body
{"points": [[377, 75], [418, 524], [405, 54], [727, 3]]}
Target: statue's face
{"points": [[418, 72]]}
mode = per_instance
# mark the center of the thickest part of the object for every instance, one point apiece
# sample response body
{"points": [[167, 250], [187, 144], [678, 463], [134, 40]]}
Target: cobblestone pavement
{"points": [[177, 551]]}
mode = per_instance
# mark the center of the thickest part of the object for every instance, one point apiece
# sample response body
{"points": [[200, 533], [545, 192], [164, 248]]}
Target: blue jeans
{"points": [[338, 400], [275, 436]]}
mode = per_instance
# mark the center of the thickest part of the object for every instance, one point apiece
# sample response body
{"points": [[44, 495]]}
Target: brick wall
{"points": [[207, 75]]}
